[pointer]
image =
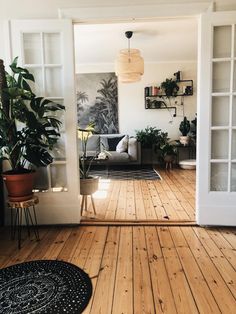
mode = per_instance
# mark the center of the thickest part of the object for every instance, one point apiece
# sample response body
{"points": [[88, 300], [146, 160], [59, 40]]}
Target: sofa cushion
{"points": [[113, 142], [122, 146], [133, 149], [93, 144], [104, 140], [117, 157]]}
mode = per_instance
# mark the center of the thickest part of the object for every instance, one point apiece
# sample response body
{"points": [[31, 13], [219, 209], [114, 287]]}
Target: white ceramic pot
{"points": [[184, 140], [88, 186]]}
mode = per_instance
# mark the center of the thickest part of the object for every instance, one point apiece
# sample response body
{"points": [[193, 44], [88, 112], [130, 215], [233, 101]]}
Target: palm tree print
{"points": [[103, 112]]}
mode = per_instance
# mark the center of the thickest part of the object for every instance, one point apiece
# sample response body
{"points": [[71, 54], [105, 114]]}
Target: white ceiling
{"points": [[158, 41]]}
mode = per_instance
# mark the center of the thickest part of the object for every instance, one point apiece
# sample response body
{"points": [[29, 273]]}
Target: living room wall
{"points": [[132, 112]]}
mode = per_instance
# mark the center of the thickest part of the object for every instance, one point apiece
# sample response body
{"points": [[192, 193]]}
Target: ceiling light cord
{"points": [[129, 34], [129, 49]]}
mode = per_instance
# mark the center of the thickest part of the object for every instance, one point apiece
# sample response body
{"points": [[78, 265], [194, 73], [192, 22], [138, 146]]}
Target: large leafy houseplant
{"points": [[28, 126], [150, 136]]}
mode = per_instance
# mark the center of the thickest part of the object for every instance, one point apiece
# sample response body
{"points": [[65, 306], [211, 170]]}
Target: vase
{"points": [[184, 140]]}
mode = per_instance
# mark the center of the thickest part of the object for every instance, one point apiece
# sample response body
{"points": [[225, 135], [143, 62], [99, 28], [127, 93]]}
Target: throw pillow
{"points": [[113, 141], [122, 146]]}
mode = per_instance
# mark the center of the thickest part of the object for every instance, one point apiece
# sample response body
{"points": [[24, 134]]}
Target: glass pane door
{"points": [[42, 57], [223, 132], [216, 153], [45, 47]]}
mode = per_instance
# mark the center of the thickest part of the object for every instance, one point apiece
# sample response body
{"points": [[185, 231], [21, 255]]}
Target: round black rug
{"points": [[44, 287]]}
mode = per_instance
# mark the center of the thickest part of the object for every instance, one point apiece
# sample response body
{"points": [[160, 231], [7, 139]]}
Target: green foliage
{"points": [[170, 87], [168, 149], [151, 136], [104, 110], [184, 126], [28, 126]]}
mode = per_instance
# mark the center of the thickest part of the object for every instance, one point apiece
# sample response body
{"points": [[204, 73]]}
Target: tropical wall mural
{"points": [[97, 101]]}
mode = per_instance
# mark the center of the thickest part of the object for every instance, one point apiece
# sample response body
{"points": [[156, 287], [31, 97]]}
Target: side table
{"points": [[18, 209], [191, 149]]}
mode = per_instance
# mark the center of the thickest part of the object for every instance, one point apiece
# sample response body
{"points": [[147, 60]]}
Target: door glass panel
{"points": [[41, 179], [59, 150], [234, 112], [32, 48], [222, 42], [221, 77], [235, 41], [219, 177], [233, 177], [37, 86], [220, 111], [58, 178], [53, 82], [220, 144], [234, 79], [233, 144], [52, 46], [59, 115]]}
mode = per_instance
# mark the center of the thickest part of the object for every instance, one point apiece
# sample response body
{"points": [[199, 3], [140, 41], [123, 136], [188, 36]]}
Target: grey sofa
{"points": [[100, 143]]}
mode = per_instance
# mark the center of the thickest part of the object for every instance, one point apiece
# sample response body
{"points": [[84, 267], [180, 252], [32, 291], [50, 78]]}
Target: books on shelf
{"points": [[152, 91]]}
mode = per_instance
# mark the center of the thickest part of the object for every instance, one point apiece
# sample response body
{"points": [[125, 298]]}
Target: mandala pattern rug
{"points": [[125, 173], [44, 287]]}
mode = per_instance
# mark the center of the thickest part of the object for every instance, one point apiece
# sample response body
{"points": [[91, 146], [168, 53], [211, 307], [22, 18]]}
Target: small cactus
{"points": [[184, 127]]}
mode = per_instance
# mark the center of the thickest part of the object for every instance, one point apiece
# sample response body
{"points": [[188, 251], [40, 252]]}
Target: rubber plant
{"points": [[28, 126]]}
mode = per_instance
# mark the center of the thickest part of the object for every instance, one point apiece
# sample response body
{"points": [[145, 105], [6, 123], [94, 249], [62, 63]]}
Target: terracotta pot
{"points": [[88, 186], [184, 140], [19, 186]]}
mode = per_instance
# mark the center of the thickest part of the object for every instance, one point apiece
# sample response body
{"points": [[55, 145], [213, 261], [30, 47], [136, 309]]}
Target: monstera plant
{"points": [[28, 128]]}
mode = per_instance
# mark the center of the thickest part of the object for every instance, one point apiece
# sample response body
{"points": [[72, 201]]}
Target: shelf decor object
{"points": [[129, 65]]}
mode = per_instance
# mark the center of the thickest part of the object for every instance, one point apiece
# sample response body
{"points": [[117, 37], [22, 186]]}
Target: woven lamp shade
{"points": [[129, 66]]}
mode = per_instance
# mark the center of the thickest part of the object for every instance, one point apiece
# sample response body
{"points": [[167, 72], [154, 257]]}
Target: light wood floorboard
{"points": [[169, 199], [151, 269]]}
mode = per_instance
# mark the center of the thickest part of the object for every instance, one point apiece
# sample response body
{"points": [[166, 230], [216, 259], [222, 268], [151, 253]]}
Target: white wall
{"points": [[132, 113]]}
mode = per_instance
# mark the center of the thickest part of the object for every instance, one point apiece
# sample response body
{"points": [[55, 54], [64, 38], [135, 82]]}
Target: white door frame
{"points": [[106, 15]]}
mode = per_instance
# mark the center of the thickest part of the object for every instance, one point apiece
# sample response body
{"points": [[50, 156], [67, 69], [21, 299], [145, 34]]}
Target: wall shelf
{"points": [[154, 98]]}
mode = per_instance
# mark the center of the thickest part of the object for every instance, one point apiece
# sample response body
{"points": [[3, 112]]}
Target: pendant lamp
{"points": [[129, 65]]}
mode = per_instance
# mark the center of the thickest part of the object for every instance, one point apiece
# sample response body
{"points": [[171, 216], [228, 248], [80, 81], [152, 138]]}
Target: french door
{"points": [[216, 172], [45, 47]]}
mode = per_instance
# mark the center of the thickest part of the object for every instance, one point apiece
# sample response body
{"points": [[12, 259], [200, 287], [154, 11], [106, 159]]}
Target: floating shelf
{"points": [[155, 100]]}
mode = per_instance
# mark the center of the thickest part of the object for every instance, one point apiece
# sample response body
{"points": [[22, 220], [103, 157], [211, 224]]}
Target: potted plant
{"points": [[170, 87], [150, 138], [28, 130], [88, 183], [184, 128], [168, 154]]}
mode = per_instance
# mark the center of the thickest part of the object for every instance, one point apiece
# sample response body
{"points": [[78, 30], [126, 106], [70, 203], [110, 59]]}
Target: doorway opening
{"points": [[167, 46]]}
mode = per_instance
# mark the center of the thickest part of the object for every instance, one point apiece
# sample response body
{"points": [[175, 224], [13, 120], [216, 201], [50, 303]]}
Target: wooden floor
{"points": [[169, 199], [142, 269]]}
